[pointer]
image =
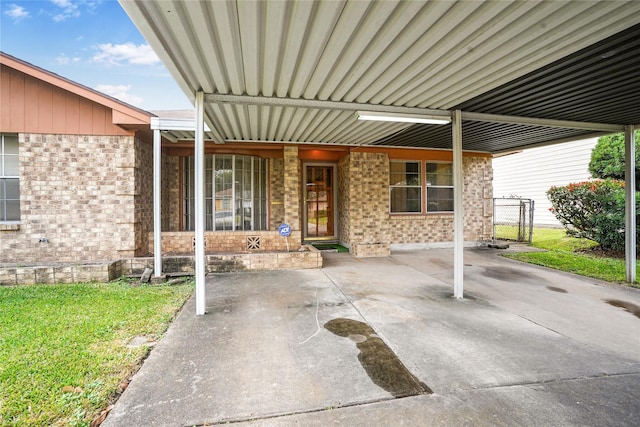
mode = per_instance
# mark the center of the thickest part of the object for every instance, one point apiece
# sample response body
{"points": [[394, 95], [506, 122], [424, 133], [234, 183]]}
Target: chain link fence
{"points": [[513, 219]]}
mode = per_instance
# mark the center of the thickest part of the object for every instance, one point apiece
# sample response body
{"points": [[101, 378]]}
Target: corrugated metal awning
{"points": [[565, 60]]}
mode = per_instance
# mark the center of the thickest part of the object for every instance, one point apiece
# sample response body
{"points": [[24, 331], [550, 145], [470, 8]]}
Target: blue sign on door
{"points": [[284, 230]]}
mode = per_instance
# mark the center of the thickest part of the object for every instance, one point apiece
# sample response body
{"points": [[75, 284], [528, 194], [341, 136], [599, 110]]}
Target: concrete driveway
{"points": [[380, 341]]}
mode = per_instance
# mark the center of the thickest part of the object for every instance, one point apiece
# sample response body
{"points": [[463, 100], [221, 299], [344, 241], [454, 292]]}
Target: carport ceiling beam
{"points": [[532, 121], [320, 105]]}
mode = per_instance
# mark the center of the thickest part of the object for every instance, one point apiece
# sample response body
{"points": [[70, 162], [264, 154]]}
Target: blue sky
{"points": [[92, 42]]}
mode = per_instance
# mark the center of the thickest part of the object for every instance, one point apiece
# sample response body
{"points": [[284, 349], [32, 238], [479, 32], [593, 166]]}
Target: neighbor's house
{"points": [[78, 184], [529, 174]]}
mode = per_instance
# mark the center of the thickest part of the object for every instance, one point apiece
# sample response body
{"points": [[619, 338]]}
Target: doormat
{"points": [[330, 247]]}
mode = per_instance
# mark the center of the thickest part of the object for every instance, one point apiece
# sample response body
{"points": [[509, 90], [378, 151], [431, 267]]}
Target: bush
{"points": [[592, 210]]}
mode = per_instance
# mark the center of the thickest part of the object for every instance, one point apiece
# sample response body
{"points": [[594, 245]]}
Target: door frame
{"points": [[334, 173]]}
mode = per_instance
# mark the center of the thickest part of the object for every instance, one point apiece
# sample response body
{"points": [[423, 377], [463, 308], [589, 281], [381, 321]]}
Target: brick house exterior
{"points": [[86, 185], [84, 170]]}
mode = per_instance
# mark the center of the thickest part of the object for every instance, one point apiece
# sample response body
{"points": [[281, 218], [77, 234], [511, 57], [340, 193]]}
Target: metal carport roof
{"points": [[510, 74], [562, 60]]}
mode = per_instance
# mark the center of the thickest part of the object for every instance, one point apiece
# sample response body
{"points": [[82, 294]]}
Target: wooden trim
{"points": [[418, 154], [308, 152]]}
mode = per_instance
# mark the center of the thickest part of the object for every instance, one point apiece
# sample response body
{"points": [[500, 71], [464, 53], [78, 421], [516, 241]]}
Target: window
{"points": [[405, 191], [439, 187], [406, 187], [9, 179], [235, 193]]}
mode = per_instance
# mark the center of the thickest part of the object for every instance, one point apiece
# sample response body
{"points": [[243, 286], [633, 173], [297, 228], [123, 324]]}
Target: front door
{"points": [[319, 200]]}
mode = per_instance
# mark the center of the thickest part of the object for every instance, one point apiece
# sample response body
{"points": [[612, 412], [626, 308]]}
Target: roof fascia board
{"points": [[125, 110], [319, 104], [175, 124], [532, 121], [185, 125], [119, 117]]}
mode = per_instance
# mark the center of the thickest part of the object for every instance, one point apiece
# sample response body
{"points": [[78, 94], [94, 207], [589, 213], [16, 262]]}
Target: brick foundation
{"points": [[305, 258], [181, 242]]}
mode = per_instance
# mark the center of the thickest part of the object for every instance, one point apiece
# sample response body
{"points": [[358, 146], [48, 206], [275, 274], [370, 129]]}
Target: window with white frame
{"points": [[405, 187], [439, 187], [235, 193], [9, 178]]}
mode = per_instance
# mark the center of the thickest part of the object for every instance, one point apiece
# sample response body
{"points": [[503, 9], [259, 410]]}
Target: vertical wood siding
{"points": [[33, 106]]}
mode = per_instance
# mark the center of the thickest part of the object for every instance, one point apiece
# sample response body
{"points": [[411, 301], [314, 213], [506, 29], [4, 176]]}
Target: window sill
{"points": [[9, 227], [419, 215]]}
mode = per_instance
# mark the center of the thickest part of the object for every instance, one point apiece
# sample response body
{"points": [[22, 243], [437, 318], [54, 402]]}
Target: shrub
{"points": [[592, 210]]}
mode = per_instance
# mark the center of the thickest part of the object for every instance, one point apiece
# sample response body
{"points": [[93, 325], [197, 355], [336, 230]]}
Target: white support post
{"points": [[157, 203], [630, 203], [458, 208], [199, 206]]}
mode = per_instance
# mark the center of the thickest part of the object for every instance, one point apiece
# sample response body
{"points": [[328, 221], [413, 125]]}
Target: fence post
{"points": [[531, 209], [521, 222], [494, 220]]}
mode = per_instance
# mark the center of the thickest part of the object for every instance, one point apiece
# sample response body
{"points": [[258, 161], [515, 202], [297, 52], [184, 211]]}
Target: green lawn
{"points": [[63, 348], [563, 253]]}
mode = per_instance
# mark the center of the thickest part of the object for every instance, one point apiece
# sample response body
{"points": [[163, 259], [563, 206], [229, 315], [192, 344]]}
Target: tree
{"points": [[607, 157]]}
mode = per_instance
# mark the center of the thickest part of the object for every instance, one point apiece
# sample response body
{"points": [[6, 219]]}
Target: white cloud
{"points": [[125, 54], [17, 13], [68, 10], [120, 92], [63, 59]]}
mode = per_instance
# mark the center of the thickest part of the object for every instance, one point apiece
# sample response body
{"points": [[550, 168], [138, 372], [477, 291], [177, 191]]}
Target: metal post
{"points": [[157, 194], [522, 222], [458, 208], [630, 204], [199, 206]]}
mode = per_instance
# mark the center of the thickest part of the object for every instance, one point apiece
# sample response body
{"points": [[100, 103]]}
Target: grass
{"points": [[63, 351], [571, 254]]}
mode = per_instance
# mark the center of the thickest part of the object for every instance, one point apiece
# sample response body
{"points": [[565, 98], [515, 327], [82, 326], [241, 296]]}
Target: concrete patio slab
{"points": [[527, 346]]}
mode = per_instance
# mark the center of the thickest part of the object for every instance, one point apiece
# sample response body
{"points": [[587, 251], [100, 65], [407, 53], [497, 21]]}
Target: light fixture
{"points": [[403, 118]]}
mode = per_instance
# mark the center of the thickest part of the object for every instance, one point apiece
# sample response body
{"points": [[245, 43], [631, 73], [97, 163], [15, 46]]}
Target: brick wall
{"points": [[363, 202], [478, 211], [367, 203], [276, 193], [292, 187], [171, 180], [143, 196], [78, 193], [181, 242], [344, 205], [170, 193], [92, 198], [478, 198]]}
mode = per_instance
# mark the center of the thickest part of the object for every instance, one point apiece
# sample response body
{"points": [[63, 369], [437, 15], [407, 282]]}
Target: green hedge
{"points": [[593, 210]]}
